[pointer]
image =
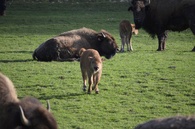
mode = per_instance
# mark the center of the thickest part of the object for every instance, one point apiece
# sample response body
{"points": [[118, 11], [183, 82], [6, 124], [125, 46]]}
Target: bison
{"points": [[125, 30], [134, 31], [2, 7], [66, 46], [27, 113], [177, 122], [91, 68], [158, 16]]}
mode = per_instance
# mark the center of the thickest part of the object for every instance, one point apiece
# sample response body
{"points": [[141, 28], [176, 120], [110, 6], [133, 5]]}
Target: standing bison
{"points": [[158, 16], [27, 113], [177, 122], [125, 30], [66, 46], [2, 7]]}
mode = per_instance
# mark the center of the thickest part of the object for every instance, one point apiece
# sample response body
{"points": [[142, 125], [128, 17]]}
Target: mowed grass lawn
{"points": [[135, 86]]}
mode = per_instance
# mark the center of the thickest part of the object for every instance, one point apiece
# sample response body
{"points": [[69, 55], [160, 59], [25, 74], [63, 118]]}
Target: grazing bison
{"points": [[125, 30], [27, 113], [178, 122], [2, 7], [66, 46], [158, 16], [91, 68]]}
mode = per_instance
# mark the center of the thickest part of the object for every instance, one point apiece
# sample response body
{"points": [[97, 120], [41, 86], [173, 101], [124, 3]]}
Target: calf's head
{"points": [[108, 46], [139, 7], [95, 63]]}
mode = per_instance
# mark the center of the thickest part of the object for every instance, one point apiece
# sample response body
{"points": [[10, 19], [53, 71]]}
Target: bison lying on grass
{"points": [[66, 46], [178, 122], [91, 68], [27, 113]]}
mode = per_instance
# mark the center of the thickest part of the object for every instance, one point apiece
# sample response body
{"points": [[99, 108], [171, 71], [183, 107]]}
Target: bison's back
{"points": [[125, 28], [7, 91]]}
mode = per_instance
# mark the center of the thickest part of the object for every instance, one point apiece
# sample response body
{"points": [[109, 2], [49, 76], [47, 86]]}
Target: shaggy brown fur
{"points": [[158, 16], [35, 115], [7, 91], [125, 30], [91, 68], [65, 47], [178, 122]]}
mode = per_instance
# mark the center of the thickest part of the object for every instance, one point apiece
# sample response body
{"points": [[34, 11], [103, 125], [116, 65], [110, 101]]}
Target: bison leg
{"points": [[192, 27], [128, 40], [122, 44], [84, 75], [90, 79], [162, 41], [96, 80]]}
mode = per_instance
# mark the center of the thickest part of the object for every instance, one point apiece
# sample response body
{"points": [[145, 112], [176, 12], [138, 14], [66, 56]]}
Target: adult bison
{"points": [[66, 46], [176, 122], [158, 16], [27, 113], [2, 7]]}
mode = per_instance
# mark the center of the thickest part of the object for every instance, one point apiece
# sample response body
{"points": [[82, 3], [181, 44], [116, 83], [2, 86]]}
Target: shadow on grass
{"points": [[62, 96], [4, 52], [11, 61]]}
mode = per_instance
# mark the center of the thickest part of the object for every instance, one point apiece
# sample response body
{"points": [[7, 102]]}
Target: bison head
{"points": [[108, 45], [138, 7], [34, 116]]}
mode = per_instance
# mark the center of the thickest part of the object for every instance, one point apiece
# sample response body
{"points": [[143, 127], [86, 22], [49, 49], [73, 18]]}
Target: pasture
{"points": [[135, 86]]}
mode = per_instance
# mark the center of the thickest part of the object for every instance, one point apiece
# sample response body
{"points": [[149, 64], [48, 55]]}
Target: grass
{"points": [[135, 86]]}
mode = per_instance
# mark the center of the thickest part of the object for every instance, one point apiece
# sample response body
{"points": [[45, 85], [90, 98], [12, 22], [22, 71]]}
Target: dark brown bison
{"points": [[2, 7], [158, 16], [27, 113], [125, 30], [178, 122], [66, 46]]}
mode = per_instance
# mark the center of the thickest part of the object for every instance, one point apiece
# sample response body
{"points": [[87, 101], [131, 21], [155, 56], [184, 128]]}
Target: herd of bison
{"points": [[87, 46]]}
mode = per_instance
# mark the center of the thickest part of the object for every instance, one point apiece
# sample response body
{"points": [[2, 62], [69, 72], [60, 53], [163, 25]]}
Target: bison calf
{"points": [[91, 68], [178, 122], [134, 30], [27, 113], [125, 30]]}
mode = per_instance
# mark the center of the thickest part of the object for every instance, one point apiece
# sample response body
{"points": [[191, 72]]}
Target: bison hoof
{"points": [[97, 92], [84, 88], [88, 92]]}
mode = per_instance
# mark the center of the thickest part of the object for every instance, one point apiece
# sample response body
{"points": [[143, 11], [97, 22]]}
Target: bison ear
{"points": [[101, 36]]}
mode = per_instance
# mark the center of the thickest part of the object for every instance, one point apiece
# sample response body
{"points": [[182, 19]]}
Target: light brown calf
{"points": [[91, 68], [125, 30], [134, 31]]}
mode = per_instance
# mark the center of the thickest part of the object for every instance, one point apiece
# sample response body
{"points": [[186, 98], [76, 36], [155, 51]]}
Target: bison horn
{"points": [[24, 120], [48, 106], [103, 35]]}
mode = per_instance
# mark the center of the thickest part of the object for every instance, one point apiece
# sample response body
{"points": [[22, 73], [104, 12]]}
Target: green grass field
{"points": [[135, 86]]}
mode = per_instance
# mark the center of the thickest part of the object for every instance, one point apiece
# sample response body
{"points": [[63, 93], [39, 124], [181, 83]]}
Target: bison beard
{"points": [[27, 113], [158, 16], [66, 46]]}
